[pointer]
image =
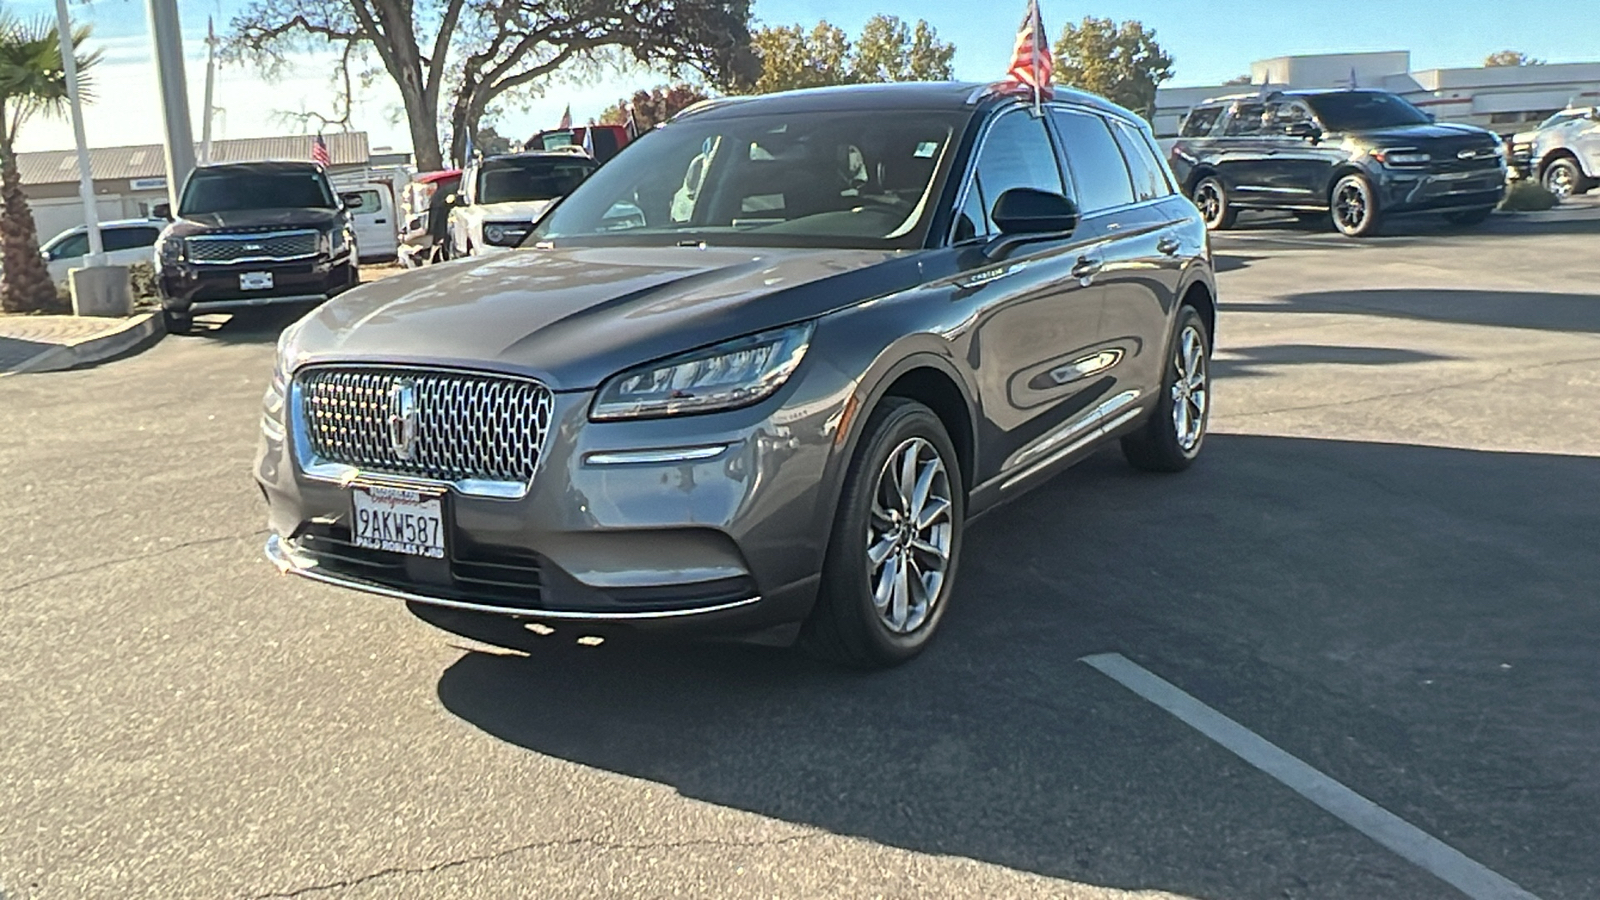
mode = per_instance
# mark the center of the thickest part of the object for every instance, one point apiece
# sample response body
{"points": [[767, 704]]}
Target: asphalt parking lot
{"points": [[1385, 565]]}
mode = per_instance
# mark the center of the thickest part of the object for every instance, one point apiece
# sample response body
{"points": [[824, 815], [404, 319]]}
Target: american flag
{"points": [[319, 152], [1031, 62]]}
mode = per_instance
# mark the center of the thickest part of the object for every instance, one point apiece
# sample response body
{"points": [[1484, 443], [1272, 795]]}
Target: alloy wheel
{"points": [[1191, 394], [1209, 201], [1351, 207], [1558, 180], [909, 532]]}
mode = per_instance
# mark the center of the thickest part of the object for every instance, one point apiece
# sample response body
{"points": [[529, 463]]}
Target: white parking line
{"points": [[1372, 820]]}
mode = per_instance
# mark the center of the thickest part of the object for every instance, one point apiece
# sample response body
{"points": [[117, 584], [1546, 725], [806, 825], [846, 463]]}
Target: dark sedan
{"points": [[1348, 158], [755, 375]]}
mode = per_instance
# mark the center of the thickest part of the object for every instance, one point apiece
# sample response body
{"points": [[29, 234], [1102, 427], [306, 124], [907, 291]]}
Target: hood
{"points": [[254, 220], [1434, 132], [511, 211], [572, 317]]}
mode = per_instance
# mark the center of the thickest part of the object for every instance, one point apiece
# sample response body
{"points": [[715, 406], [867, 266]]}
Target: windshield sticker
{"points": [[926, 149]]}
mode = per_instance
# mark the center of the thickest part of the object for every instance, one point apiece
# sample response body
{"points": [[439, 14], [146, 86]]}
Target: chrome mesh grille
{"points": [[278, 245], [467, 427]]}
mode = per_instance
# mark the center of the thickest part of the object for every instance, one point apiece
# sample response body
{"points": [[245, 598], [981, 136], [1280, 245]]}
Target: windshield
{"points": [[1363, 110], [230, 191], [831, 179], [512, 180]]}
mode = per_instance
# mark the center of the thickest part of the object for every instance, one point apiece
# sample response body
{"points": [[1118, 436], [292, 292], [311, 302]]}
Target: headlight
{"points": [[726, 376], [340, 239], [1402, 157], [171, 250], [505, 234]]}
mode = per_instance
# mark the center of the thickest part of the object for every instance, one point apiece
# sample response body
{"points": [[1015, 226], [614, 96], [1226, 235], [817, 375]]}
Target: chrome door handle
{"points": [[1169, 246], [1087, 267]]}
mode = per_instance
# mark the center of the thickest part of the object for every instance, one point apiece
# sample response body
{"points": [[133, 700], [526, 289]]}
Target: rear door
{"points": [[1244, 156], [1034, 316]]}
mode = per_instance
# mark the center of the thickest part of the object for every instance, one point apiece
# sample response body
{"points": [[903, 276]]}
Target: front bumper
{"points": [[1407, 192], [190, 288], [728, 544]]}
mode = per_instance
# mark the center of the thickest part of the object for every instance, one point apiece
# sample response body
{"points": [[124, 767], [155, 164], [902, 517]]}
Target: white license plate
{"points": [[397, 520], [255, 281]]}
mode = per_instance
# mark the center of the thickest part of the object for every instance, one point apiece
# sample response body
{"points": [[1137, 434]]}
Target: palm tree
{"points": [[32, 80]]}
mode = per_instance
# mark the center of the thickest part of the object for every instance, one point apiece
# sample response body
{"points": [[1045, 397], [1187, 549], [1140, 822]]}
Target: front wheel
{"points": [[1211, 198], [177, 322], [891, 564], [1355, 207], [1563, 178], [1171, 439]]}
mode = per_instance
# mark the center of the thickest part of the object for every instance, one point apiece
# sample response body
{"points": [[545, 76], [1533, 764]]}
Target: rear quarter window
{"points": [[1200, 121]]}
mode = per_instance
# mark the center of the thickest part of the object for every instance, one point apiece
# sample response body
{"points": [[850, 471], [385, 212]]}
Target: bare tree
{"points": [[451, 59]]}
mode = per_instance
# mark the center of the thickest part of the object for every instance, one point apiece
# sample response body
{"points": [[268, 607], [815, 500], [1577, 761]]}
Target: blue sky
{"points": [[1209, 41]]}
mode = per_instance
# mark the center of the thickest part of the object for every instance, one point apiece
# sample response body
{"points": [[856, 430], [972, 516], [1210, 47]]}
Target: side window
{"points": [[1245, 120], [1148, 182], [1200, 121], [1281, 115], [1097, 164], [128, 238], [77, 245], [1016, 153]]}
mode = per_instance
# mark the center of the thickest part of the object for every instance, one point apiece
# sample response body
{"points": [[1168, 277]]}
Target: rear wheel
{"points": [[1470, 216], [1211, 198], [1172, 437], [897, 536], [1563, 178], [1355, 207]]}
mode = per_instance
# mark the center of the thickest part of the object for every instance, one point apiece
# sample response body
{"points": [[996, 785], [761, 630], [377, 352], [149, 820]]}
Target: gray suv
{"points": [[754, 376]]}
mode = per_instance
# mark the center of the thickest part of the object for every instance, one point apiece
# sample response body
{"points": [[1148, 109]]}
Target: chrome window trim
{"points": [[317, 469], [286, 562]]}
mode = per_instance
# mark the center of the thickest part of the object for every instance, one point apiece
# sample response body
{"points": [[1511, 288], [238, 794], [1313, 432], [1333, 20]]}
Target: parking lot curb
{"points": [[135, 335]]}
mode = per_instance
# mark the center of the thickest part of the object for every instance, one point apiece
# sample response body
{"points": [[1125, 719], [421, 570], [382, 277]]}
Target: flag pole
{"points": [[1038, 89]]}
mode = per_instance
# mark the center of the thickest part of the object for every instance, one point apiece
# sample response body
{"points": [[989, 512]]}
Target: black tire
{"points": [[177, 322], [1470, 216], [846, 626], [1564, 179], [1157, 446], [1354, 207], [1210, 196]]}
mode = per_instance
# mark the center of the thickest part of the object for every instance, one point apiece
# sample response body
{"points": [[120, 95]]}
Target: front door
{"points": [[1036, 308], [373, 212]]}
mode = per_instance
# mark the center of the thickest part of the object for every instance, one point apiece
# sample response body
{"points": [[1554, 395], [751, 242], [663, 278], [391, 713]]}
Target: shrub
{"points": [[1525, 196], [142, 282]]}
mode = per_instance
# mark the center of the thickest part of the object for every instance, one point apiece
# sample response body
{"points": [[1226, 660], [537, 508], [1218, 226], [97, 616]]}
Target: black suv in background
{"points": [[249, 234], [1354, 156]]}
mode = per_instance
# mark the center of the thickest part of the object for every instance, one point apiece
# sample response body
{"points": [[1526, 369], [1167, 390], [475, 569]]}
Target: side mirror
{"points": [[1302, 130], [1025, 211], [1431, 117], [162, 211]]}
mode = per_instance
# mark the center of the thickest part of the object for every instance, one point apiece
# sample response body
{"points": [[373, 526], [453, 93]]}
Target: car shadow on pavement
{"points": [[1251, 361], [247, 326], [1505, 309], [1359, 604]]}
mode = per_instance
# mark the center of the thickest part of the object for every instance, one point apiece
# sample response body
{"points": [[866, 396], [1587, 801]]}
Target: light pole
{"points": [[69, 66], [168, 39]]}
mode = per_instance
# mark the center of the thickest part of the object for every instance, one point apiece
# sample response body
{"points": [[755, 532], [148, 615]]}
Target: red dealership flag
{"points": [[1031, 63], [319, 152], [566, 118]]}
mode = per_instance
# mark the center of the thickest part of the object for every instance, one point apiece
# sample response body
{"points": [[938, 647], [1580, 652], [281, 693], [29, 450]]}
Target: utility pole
{"points": [[211, 81], [168, 38], [69, 65]]}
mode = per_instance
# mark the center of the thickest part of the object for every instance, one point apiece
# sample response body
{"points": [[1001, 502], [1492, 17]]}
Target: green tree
{"points": [[32, 80], [790, 57], [1511, 58], [651, 108], [454, 60], [1121, 62]]}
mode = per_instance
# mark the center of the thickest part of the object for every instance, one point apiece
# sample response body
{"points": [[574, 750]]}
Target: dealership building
{"points": [[1504, 99]]}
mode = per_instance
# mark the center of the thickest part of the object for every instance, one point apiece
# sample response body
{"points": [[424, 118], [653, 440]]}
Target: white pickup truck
{"points": [[502, 196]]}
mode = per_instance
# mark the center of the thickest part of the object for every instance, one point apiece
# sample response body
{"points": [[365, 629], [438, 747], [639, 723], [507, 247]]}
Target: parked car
{"points": [[1521, 143], [501, 197], [372, 212], [771, 413], [1565, 152], [125, 242], [248, 234], [603, 141], [424, 233], [1355, 157]]}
